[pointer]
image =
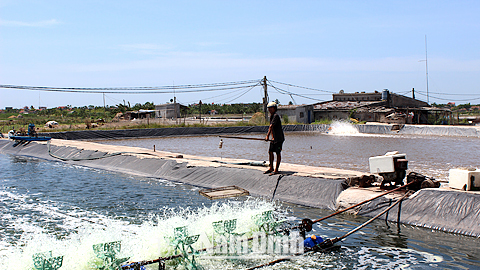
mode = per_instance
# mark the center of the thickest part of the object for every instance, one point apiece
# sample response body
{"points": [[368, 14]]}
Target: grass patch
{"points": [[323, 122]]}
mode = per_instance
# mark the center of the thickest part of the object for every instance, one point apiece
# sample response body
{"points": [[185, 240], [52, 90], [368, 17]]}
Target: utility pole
{"points": [[265, 98], [104, 109], [174, 104], [413, 93], [426, 68], [175, 108], [200, 103]]}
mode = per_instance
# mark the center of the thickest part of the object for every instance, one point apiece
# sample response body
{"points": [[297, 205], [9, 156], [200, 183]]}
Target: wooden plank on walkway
{"points": [[223, 192]]}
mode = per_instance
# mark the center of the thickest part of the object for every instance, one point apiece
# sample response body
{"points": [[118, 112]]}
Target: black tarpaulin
{"points": [[446, 210]]}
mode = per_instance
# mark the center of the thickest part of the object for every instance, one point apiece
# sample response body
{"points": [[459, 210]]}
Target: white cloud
{"points": [[44, 23], [210, 44], [203, 61], [146, 48]]}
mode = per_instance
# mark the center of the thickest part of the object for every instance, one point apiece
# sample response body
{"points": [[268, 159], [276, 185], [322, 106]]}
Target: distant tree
{"points": [[149, 106], [120, 108], [137, 106], [464, 106], [146, 106]]}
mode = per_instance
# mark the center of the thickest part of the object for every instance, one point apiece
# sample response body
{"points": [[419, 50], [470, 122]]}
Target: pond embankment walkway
{"points": [[369, 128], [319, 187]]}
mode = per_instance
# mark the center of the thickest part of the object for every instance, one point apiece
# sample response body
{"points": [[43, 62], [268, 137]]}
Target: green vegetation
{"points": [[463, 114], [323, 122], [351, 113], [142, 126], [240, 108], [467, 109], [80, 118]]}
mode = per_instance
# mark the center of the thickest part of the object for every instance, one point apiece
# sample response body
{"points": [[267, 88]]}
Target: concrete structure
{"points": [[369, 128], [168, 111], [342, 96], [296, 113], [140, 114], [388, 99], [382, 107]]}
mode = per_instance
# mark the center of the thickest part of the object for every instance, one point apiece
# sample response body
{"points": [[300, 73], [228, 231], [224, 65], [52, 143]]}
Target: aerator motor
{"points": [[392, 167]]}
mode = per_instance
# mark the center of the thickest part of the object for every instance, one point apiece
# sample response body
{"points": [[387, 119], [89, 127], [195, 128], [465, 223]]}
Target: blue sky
{"points": [[327, 45]]}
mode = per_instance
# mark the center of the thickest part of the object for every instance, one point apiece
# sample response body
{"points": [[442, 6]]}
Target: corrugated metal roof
{"points": [[291, 106], [343, 105]]}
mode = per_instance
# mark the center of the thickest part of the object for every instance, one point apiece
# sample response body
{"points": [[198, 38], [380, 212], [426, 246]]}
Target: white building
{"points": [[167, 111], [296, 113]]}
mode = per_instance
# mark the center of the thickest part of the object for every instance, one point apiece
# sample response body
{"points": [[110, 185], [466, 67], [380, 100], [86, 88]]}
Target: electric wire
{"points": [[285, 92], [211, 87], [131, 92], [169, 87], [303, 87], [404, 92], [448, 94], [212, 97], [435, 97], [113, 99], [243, 93]]}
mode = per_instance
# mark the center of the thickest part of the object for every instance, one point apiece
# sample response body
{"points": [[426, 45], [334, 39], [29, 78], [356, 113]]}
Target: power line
{"points": [[404, 92], [291, 93], [109, 91], [225, 94], [450, 99], [169, 87], [448, 94], [285, 92], [303, 87], [243, 93], [113, 99]]}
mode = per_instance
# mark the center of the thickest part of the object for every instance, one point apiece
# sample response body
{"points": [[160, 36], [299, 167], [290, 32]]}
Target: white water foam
{"points": [[148, 240], [342, 128], [347, 129], [395, 258]]}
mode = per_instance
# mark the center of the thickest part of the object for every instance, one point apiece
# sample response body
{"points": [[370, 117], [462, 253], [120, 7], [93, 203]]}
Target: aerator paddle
{"points": [[45, 261]]}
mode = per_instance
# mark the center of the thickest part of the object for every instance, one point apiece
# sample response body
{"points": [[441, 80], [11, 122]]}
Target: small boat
{"points": [[29, 139], [32, 135]]}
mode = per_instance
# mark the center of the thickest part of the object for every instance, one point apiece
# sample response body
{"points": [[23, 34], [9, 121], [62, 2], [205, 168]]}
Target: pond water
{"points": [[433, 156], [51, 206]]}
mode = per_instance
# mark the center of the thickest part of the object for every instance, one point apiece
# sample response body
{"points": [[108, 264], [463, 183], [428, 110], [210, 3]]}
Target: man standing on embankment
{"points": [[275, 129]]}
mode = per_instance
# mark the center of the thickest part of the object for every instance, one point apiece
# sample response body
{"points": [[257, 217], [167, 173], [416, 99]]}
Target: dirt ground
{"points": [[154, 122]]}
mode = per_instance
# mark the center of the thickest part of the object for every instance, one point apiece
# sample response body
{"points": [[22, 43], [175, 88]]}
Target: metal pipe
{"points": [[269, 263], [159, 260], [358, 204], [244, 138], [337, 239], [329, 242]]}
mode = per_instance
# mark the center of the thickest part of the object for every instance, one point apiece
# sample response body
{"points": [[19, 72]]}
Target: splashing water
{"points": [[342, 128], [66, 209], [148, 240]]}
